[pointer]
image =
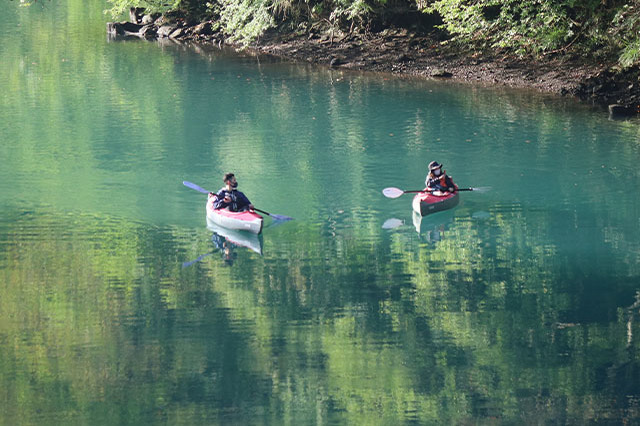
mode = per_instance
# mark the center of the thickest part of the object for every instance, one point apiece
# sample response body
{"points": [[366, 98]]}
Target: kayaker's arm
{"points": [[243, 201], [442, 184], [222, 201]]}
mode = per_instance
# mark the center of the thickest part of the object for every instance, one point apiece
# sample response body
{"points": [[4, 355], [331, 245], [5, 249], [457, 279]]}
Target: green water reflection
{"points": [[519, 306]]}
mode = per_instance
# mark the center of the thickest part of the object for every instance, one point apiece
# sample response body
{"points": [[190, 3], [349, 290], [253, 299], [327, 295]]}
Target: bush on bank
{"points": [[600, 29]]}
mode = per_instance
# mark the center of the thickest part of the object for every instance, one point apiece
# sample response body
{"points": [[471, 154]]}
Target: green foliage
{"points": [[122, 6], [350, 10], [535, 27], [246, 20], [625, 33], [524, 27], [630, 54]]}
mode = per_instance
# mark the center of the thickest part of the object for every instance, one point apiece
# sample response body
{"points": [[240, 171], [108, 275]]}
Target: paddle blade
{"points": [[281, 218], [481, 189], [392, 223], [194, 186], [392, 192]]}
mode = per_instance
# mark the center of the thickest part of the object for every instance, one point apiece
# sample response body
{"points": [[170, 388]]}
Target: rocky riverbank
{"points": [[399, 51]]}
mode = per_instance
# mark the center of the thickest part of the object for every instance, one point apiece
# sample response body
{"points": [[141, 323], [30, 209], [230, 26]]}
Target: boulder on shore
{"points": [[123, 28]]}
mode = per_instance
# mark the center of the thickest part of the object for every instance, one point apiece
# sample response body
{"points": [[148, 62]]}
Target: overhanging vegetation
{"points": [[600, 29]]}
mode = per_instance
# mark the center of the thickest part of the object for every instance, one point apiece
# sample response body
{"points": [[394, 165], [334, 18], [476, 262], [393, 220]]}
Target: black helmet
{"points": [[434, 165]]}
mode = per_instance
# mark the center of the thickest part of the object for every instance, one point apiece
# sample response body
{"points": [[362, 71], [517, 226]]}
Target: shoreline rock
{"points": [[400, 52]]}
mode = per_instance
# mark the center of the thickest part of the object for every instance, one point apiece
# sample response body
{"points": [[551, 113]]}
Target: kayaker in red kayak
{"points": [[437, 179], [229, 197]]}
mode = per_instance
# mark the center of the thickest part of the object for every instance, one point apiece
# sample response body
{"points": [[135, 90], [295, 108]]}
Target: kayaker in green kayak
{"points": [[229, 197], [437, 179]]}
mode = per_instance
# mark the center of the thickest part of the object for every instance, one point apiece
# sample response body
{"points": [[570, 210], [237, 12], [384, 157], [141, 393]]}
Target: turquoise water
{"points": [[117, 307]]}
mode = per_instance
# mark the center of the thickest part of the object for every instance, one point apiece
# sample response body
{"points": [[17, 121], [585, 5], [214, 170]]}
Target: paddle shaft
{"points": [[433, 190], [204, 191], [262, 211]]}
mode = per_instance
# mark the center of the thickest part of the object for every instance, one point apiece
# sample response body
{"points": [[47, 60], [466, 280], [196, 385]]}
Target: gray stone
{"points": [[123, 28], [204, 28], [439, 72], [147, 19], [165, 30], [148, 31]]}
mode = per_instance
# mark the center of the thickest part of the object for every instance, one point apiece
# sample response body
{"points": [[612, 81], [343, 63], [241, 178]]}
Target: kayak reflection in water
{"points": [[226, 242], [430, 229], [227, 248], [229, 197], [437, 179]]}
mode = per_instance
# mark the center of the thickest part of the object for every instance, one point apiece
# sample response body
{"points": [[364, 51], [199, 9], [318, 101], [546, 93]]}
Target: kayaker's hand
{"points": [[211, 194], [227, 199], [451, 189], [251, 207]]}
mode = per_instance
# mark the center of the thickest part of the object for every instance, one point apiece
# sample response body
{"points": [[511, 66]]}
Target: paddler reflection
{"points": [[236, 238], [227, 242], [432, 228], [227, 248]]}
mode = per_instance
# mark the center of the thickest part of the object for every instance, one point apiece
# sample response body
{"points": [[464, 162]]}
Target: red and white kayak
{"points": [[425, 203], [238, 221]]}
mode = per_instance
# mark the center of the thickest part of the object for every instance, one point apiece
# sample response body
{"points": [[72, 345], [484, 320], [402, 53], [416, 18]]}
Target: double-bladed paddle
{"points": [[396, 192], [204, 191]]}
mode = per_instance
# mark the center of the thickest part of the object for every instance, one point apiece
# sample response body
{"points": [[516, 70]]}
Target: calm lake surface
{"points": [[117, 306]]}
